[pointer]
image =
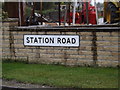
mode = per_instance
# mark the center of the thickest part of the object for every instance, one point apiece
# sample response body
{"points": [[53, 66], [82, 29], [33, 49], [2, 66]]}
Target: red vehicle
{"points": [[80, 17]]}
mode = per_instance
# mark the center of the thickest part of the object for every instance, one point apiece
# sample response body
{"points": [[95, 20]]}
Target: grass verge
{"points": [[61, 76]]}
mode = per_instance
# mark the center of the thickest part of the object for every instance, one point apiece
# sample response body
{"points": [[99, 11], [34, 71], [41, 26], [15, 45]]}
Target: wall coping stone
{"points": [[83, 28]]}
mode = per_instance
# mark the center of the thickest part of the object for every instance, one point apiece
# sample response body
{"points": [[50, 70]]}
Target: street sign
{"points": [[52, 40]]}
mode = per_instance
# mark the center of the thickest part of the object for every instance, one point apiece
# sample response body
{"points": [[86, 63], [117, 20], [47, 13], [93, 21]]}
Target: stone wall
{"points": [[97, 47]]}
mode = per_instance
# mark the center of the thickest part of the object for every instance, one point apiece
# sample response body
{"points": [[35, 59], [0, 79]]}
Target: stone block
{"points": [[15, 33], [46, 55], [6, 53], [6, 41], [115, 34], [102, 63], [111, 58], [53, 33], [5, 45], [18, 45], [70, 33], [110, 38], [115, 53], [24, 50], [103, 43], [99, 38], [111, 48], [103, 33], [88, 43], [75, 52], [41, 33], [86, 33], [85, 52], [76, 56], [89, 57], [6, 37], [70, 62], [86, 62], [18, 37], [60, 56], [23, 32], [104, 53], [86, 38]]}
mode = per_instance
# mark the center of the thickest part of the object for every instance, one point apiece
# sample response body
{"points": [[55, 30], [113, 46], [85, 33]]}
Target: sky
{"points": [[101, 1]]}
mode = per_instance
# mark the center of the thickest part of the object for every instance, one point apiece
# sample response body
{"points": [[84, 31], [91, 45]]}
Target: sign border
{"points": [[49, 35]]}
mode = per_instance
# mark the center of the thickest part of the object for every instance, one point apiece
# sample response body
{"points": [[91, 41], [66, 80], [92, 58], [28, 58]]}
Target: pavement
{"points": [[20, 85]]}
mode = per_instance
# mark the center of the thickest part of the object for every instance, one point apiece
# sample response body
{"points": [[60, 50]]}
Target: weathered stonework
{"points": [[97, 48]]}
